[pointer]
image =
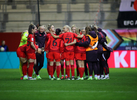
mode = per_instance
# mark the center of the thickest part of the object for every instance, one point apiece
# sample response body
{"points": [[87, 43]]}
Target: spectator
{"points": [[3, 47]]}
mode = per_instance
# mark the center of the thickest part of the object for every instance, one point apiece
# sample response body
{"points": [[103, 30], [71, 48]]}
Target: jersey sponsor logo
{"points": [[69, 35]]}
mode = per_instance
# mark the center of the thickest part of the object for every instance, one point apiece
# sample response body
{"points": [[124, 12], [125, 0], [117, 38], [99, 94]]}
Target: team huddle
{"points": [[87, 46]]}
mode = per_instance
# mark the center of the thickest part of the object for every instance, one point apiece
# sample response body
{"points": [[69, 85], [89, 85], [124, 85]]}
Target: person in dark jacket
{"points": [[91, 52], [104, 57], [40, 37]]}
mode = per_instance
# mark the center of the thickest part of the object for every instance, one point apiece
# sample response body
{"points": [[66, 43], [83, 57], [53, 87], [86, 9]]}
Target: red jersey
{"points": [[80, 33], [62, 46], [68, 37], [23, 48], [47, 38], [48, 35], [79, 49], [54, 44], [29, 49]]}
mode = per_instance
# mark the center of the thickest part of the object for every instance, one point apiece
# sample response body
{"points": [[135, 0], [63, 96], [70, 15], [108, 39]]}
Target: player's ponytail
{"points": [[96, 28], [49, 26], [92, 27], [88, 29], [31, 26], [77, 31], [73, 26]]}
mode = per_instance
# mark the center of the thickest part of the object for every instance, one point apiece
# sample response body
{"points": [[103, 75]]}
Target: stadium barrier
{"points": [[9, 60], [118, 59], [123, 59]]}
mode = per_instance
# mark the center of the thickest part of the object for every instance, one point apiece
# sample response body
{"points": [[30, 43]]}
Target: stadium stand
{"points": [[16, 15]]}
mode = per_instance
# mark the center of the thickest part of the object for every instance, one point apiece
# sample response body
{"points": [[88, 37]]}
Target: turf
{"points": [[122, 85]]}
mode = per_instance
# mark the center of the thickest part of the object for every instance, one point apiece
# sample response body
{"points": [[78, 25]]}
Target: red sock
{"points": [[81, 71], [72, 70], [58, 71], [62, 70], [24, 68], [54, 67], [48, 68], [51, 70], [68, 71], [30, 69]]}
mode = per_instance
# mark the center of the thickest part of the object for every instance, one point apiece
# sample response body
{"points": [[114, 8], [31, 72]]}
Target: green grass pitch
{"points": [[122, 85]]}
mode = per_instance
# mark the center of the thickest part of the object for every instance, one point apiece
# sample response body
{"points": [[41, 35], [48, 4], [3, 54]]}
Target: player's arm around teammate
{"points": [[21, 53], [80, 55], [54, 55], [91, 53], [58, 31]]}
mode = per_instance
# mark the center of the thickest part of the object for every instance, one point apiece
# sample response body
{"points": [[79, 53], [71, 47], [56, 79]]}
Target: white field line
{"points": [[66, 91]]}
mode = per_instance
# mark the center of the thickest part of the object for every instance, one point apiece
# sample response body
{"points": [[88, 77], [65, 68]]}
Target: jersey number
{"points": [[54, 43], [80, 40], [94, 43], [68, 40]]}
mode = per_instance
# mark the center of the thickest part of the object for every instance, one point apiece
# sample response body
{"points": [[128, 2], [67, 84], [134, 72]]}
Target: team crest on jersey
{"points": [[32, 39], [26, 35]]}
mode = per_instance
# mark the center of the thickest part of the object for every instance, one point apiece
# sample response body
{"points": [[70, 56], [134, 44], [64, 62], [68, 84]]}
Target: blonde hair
{"points": [[68, 28], [77, 31], [42, 26], [73, 26]]}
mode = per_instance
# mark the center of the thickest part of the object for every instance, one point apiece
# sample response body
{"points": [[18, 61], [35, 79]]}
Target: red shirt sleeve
{"points": [[75, 35], [61, 36], [36, 46], [47, 44], [46, 40], [47, 37], [31, 38], [62, 46]]}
